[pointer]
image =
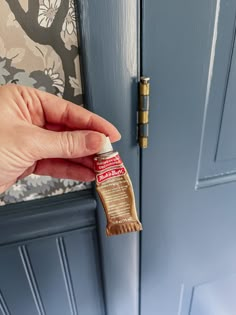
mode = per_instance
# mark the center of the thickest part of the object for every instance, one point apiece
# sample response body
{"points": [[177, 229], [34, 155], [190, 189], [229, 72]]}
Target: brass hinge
{"points": [[143, 112]]}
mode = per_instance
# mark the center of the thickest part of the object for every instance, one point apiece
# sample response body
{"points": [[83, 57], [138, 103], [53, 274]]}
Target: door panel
{"points": [[24, 293], [55, 275], [188, 242], [217, 162], [49, 273], [49, 257], [83, 265]]}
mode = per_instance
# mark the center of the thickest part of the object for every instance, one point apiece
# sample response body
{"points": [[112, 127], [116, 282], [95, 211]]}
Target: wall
{"points": [[39, 48]]}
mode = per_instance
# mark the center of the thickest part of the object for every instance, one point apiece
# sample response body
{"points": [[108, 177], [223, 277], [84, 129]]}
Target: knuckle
{"points": [[67, 142]]}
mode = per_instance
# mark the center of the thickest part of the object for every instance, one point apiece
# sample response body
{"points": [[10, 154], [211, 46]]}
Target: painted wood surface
{"points": [[49, 249], [52, 275], [188, 243], [110, 49]]}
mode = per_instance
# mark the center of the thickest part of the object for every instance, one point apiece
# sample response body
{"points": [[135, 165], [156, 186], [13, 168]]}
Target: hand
{"points": [[45, 135]]}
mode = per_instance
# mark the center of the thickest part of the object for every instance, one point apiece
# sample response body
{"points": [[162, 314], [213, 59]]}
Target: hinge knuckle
{"points": [[143, 116]]}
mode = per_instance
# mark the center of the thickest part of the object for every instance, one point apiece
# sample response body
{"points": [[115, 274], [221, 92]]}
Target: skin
{"points": [[45, 135]]}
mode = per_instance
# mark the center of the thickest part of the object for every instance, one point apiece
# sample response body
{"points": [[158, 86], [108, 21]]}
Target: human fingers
{"points": [[61, 112], [60, 168], [46, 144], [85, 161]]}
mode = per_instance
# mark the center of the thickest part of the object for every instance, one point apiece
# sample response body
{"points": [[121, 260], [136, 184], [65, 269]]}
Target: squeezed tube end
{"points": [[107, 147]]}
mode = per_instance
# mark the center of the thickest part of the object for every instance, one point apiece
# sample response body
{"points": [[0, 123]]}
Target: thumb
{"points": [[67, 144]]}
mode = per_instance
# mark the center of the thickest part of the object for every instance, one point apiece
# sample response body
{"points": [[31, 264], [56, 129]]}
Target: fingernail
{"points": [[94, 141]]}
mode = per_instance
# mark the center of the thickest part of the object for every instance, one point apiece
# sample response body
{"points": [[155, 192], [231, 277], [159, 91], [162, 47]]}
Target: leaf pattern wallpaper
{"points": [[39, 48]]}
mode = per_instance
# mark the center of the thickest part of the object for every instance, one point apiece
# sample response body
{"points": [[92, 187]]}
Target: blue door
{"points": [[188, 246]]}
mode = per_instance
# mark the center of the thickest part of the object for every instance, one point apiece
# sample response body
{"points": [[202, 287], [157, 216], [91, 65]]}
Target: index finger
{"points": [[62, 112]]}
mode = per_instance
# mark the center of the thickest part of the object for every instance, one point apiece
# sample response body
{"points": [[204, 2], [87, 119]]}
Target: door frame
{"points": [[110, 30]]}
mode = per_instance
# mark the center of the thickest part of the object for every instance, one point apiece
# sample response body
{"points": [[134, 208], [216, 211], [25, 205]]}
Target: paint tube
{"points": [[115, 190]]}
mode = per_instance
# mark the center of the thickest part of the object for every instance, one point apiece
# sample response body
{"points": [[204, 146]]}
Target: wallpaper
{"points": [[39, 48]]}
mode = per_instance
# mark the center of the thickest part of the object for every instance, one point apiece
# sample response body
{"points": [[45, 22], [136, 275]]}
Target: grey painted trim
{"points": [[47, 216]]}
